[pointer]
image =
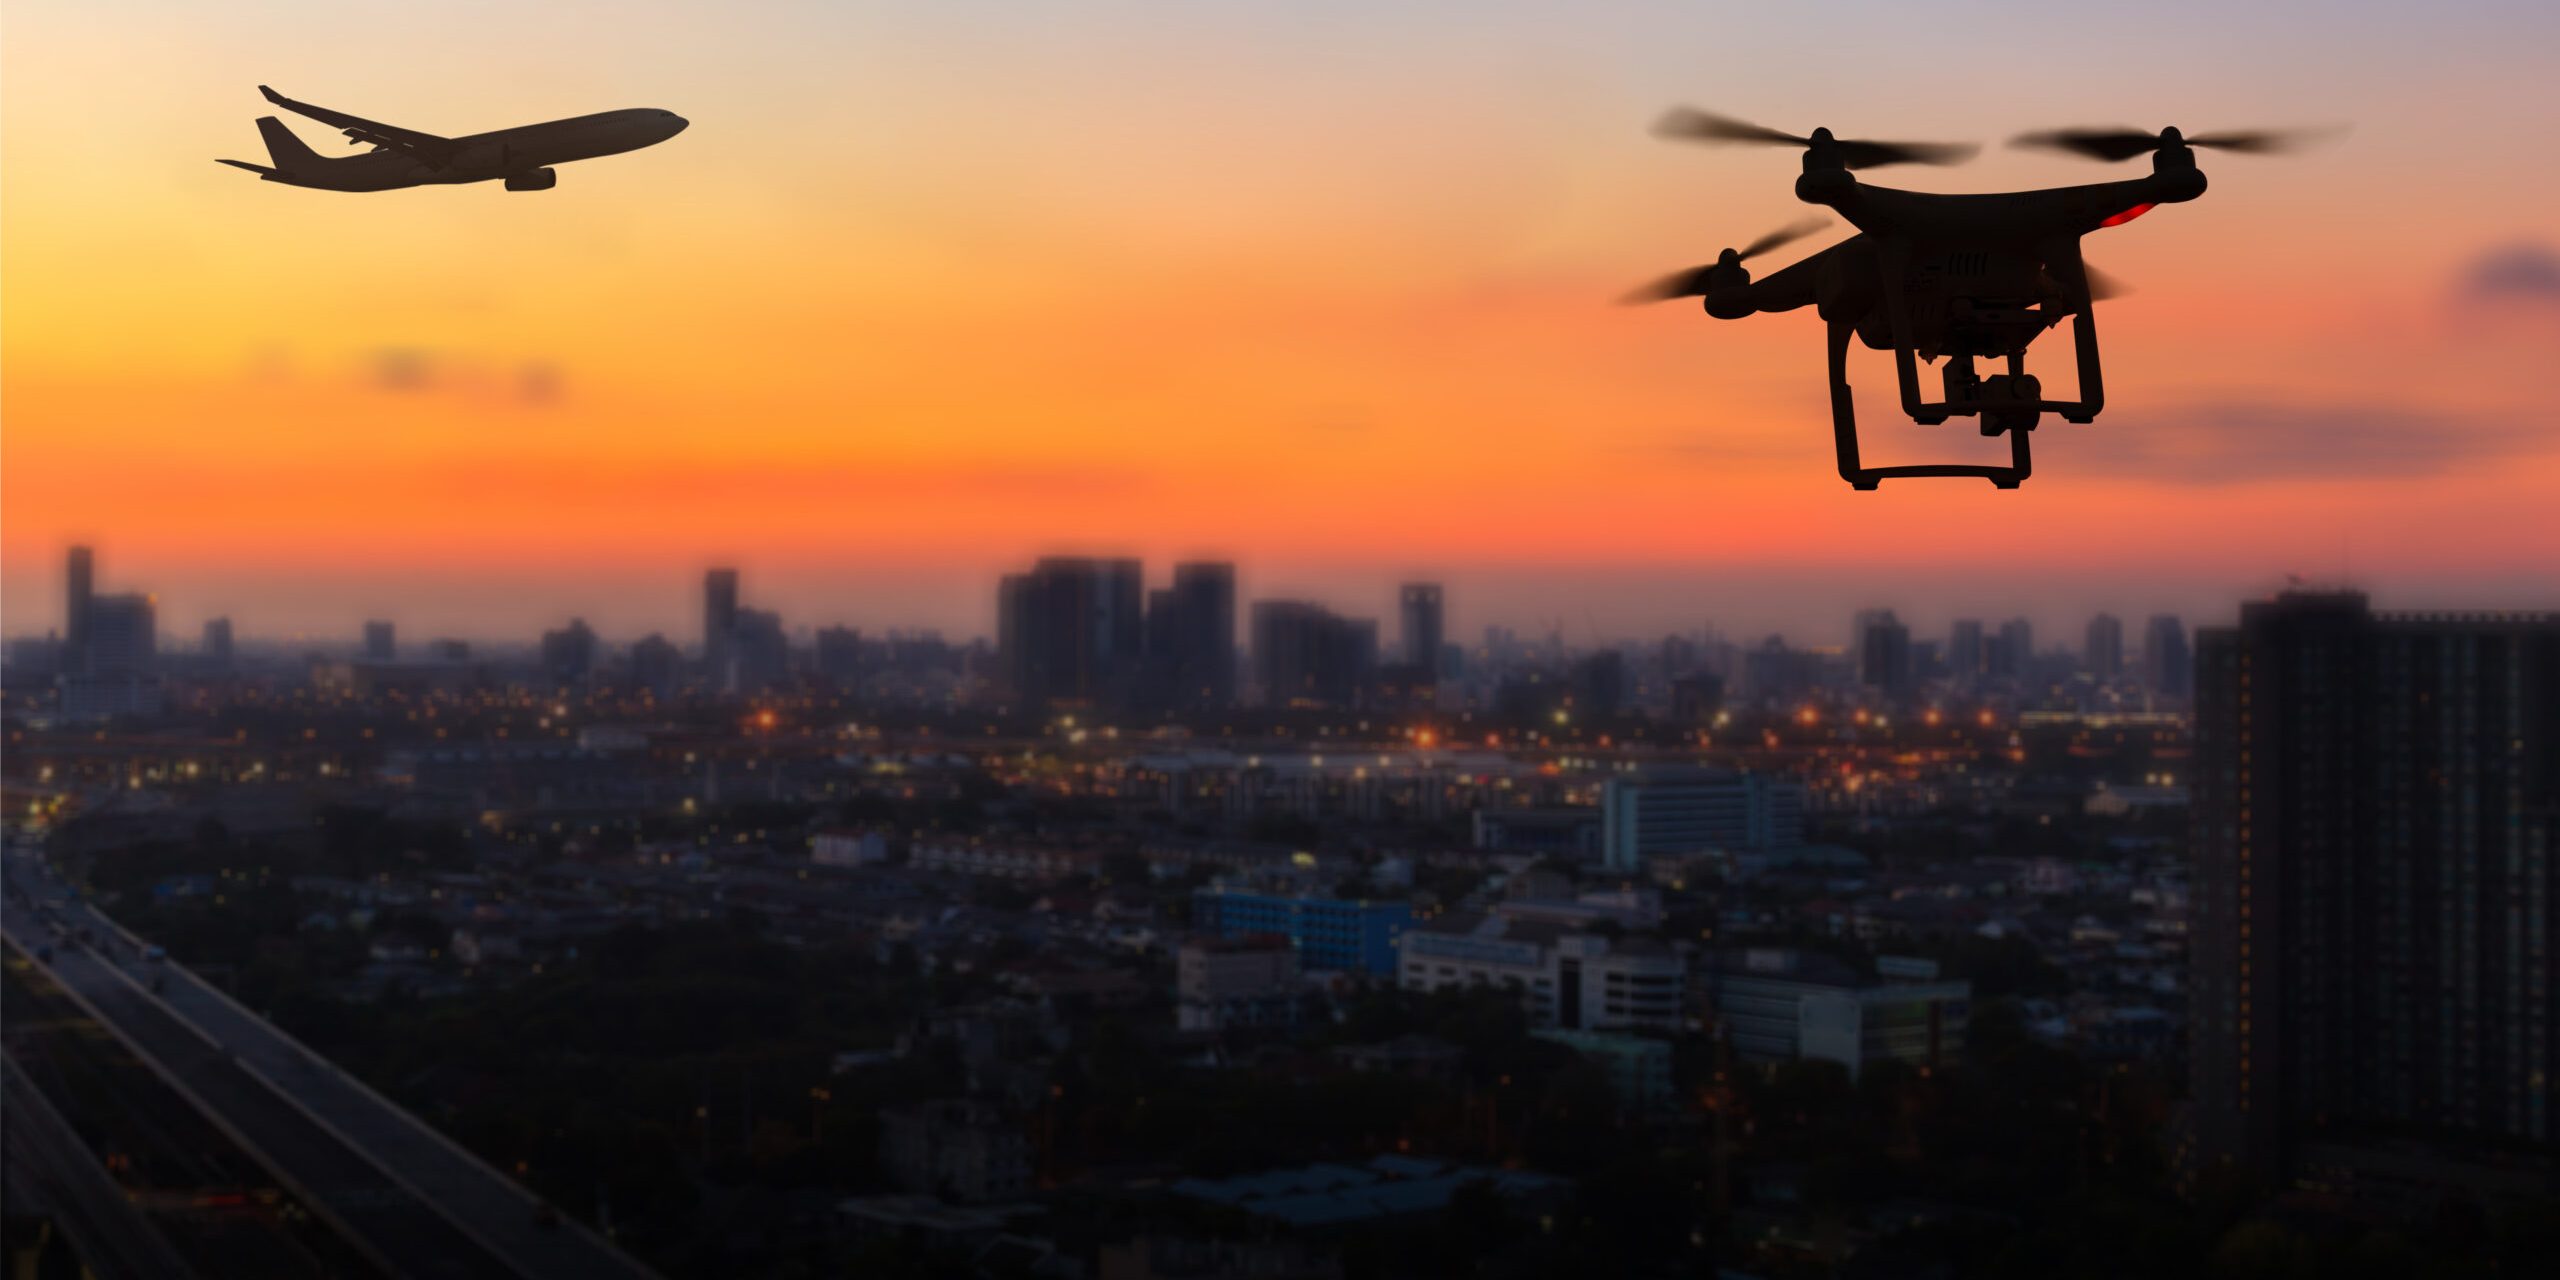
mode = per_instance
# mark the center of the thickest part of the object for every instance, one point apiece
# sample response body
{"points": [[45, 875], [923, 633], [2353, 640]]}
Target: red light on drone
{"points": [[2128, 215]]}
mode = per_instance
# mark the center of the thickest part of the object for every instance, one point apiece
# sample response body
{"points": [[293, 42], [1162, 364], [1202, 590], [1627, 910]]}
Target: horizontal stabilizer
{"points": [[258, 169]]}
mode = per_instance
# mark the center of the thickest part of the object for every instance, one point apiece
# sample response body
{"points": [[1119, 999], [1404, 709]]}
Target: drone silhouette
{"points": [[1959, 277]]}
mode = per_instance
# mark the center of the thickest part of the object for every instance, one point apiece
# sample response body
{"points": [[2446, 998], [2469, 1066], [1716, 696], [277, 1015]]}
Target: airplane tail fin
{"points": [[290, 153]]}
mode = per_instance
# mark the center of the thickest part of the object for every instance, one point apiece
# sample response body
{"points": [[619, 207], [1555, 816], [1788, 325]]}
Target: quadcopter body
{"points": [[1965, 282]]}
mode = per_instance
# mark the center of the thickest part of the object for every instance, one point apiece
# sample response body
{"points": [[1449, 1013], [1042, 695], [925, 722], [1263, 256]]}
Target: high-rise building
{"points": [[569, 654], [1070, 632], [719, 621], [1307, 655], [123, 637], [2377, 805], [381, 642], [2013, 657], [1419, 610], [217, 645], [1191, 637], [1964, 649], [81, 587], [657, 667], [1600, 684], [2104, 653], [2166, 665], [1884, 653], [1683, 810], [839, 656], [759, 654]]}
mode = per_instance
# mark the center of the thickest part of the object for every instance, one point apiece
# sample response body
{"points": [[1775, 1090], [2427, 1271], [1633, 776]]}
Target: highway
{"points": [[417, 1204], [111, 1236]]}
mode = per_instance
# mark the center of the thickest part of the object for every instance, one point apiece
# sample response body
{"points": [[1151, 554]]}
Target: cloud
{"points": [[412, 370], [2514, 273], [2245, 442]]}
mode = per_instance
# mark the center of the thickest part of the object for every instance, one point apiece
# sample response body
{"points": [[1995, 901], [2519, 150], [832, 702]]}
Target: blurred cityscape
{"points": [[1168, 933]]}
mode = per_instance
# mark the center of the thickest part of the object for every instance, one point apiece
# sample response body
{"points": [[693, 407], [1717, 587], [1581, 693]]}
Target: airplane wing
{"points": [[426, 148]]}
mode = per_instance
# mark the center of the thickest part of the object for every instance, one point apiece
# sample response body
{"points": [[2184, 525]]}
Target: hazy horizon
{"points": [[1586, 604]]}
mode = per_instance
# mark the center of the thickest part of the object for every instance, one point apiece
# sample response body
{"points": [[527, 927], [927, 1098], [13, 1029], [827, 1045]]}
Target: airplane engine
{"points": [[533, 180]]}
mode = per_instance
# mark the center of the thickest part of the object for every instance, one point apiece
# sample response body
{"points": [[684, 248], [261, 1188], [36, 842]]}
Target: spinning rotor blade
{"points": [[1876, 155], [1706, 126], [2097, 144], [2266, 142], [1788, 234], [1691, 283], [2125, 144]]}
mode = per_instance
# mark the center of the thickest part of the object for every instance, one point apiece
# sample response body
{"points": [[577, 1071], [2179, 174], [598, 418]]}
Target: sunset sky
{"points": [[1322, 286]]}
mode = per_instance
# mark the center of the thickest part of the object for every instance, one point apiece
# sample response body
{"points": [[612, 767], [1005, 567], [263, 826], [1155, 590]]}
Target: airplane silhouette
{"points": [[521, 157]]}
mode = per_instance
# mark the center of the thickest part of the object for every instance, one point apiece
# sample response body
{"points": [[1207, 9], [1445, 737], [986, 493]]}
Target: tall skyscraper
{"points": [[1191, 637], [2166, 664], [839, 656], [569, 654], [719, 621], [657, 667], [1884, 652], [1071, 632], [1419, 608], [1307, 655], [1964, 649], [758, 653], [81, 586], [2015, 656], [2105, 651], [217, 645], [2377, 803], [381, 642], [123, 640]]}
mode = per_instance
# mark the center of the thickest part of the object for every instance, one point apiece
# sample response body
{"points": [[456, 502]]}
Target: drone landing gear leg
{"points": [[1844, 434], [2093, 390], [1844, 411]]}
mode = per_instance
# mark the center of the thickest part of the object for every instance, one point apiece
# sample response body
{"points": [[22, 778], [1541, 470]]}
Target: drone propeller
{"points": [[1694, 282], [2125, 144], [1703, 126]]}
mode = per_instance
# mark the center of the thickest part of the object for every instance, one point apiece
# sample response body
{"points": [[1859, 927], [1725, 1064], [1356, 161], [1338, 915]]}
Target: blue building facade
{"points": [[1347, 934]]}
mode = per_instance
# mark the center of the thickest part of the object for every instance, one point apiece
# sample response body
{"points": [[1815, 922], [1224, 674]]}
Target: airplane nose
{"points": [[680, 125]]}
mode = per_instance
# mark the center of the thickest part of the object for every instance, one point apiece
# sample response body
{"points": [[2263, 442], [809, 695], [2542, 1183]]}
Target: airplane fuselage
{"points": [[515, 155]]}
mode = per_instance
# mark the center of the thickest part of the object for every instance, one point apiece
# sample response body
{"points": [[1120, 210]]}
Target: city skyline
{"points": [[1821, 615]]}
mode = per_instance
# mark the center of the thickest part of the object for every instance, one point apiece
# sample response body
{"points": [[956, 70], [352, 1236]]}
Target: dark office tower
{"points": [[1305, 655], [758, 651], [1884, 653], [81, 580], [217, 646], [2016, 653], [1964, 649], [2377, 800], [381, 642], [1071, 632], [719, 622], [1696, 698], [2105, 652], [569, 654], [657, 666], [124, 640], [839, 657], [2166, 666], [1774, 673], [1419, 608], [1191, 638], [1600, 684]]}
